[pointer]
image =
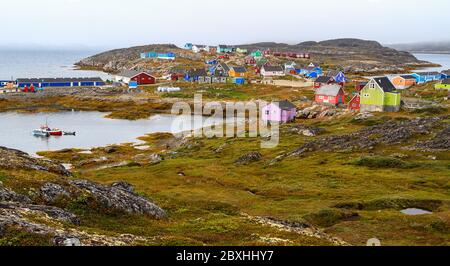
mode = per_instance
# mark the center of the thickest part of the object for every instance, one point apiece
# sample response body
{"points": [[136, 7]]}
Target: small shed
{"points": [[355, 103]]}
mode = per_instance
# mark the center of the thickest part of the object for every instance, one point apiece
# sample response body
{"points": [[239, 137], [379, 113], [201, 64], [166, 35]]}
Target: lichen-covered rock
{"points": [[9, 196], [305, 130], [116, 197], [15, 159], [441, 142], [53, 212], [249, 158], [50, 192]]}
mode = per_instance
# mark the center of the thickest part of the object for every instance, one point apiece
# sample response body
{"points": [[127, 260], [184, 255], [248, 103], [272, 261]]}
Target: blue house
{"points": [[338, 76], [3, 83], [149, 55], [422, 77], [188, 46], [310, 71], [60, 82], [445, 74], [195, 74], [239, 81], [211, 62]]}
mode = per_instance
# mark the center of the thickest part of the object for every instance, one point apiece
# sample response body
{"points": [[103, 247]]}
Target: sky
{"points": [[124, 23]]}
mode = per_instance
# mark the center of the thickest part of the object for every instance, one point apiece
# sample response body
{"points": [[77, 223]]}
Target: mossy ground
{"points": [[206, 194]]}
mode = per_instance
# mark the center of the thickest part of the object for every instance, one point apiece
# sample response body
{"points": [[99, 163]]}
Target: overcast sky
{"points": [[122, 23]]}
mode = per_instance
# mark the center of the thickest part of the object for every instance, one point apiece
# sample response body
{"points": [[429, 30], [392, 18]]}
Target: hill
{"points": [[350, 54]]}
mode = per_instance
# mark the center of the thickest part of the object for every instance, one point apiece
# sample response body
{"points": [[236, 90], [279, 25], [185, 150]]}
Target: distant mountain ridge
{"points": [[424, 47]]}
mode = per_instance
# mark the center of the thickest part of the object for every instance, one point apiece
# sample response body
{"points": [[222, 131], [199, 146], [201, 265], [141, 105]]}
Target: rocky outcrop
{"points": [[121, 197], [320, 111], [15, 159], [305, 130], [390, 132], [248, 158], [441, 142], [51, 192], [9, 196]]}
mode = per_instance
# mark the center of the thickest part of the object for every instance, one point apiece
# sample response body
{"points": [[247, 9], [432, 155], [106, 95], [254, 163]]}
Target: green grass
{"points": [[383, 162]]}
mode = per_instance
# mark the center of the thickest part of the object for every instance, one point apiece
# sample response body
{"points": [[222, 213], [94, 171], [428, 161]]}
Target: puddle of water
{"points": [[415, 211]]}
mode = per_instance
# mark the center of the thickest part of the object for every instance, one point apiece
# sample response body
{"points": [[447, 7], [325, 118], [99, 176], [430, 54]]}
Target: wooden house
{"points": [[257, 54], [423, 77], [322, 80], [241, 50], [359, 85], [188, 46], [272, 71], [445, 74], [330, 94], [195, 74], [141, 77], [404, 81], [443, 85], [238, 72], [250, 60], [280, 112], [380, 95], [355, 103], [220, 69]]}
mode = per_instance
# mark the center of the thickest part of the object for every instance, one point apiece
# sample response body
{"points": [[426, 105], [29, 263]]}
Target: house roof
{"points": [[58, 80], [446, 81], [432, 73], [385, 84], [224, 66], [131, 73], [329, 90], [407, 76], [333, 73], [285, 105], [239, 69], [273, 68], [197, 72], [323, 79]]}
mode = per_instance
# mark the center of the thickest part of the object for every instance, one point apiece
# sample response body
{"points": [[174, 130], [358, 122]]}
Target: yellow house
{"points": [[238, 72]]}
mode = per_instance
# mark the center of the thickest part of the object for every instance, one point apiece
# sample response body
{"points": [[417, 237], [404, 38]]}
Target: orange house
{"points": [[238, 72], [404, 81]]}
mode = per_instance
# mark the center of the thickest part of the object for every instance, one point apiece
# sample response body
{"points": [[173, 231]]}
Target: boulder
{"points": [[249, 158], [119, 197], [15, 159], [50, 192]]}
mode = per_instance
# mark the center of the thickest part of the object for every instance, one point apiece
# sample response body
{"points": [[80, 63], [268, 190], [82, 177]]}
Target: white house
{"points": [[272, 71], [196, 48]]}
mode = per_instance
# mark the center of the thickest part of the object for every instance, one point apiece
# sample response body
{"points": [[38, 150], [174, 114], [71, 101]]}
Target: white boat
{"points": [[41, 133]]}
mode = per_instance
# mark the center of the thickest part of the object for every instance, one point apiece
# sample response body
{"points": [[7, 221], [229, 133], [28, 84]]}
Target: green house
{"points": [[380, 95], [443, 85], [257, 53]]}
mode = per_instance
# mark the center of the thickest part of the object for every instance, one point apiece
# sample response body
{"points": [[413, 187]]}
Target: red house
{"points": [[330, 94], [355, 103], [322, 80], [360, 85], [142, 78], [250, 60]]}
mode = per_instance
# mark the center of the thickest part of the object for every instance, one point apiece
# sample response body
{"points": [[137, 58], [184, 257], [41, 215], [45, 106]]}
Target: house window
{"points": [[366, 95], [321, 97], [267, 112], [372, 86]]}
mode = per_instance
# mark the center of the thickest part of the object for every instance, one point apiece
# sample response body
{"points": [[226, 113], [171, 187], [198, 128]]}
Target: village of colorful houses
{"points": [[377, 94]]}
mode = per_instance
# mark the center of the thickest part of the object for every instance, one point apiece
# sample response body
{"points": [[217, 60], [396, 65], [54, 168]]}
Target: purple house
{"points": [[280, 111]]}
